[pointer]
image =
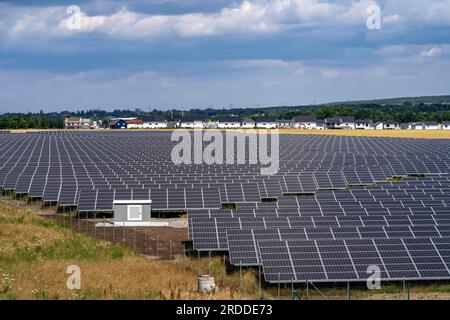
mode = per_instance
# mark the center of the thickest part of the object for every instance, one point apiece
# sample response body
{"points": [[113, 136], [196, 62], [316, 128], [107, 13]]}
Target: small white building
{"points": [[132, 213], [379, 125], [304, 122], [431, 125], [284, 123], [407, 126], [154, 122], [364, 125], [210, 124], [266, 122], [445, 125], [419, 125], [344, 123], [391, 125], [135, 124], [247, 123], [229, 122], [193, 122], [77, 123], [348, 123], [320, 124]]}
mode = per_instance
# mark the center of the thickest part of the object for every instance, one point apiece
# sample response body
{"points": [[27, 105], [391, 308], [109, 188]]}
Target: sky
{"points": [[163, 54]]}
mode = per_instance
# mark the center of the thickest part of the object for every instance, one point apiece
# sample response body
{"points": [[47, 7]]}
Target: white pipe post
{"points": [[209, 263], [278, 287], [240, 275], [157, 247], [260, 288]]}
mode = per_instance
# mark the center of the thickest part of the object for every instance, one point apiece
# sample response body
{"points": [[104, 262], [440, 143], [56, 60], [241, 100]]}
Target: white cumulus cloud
{"points": [[432, 52]]}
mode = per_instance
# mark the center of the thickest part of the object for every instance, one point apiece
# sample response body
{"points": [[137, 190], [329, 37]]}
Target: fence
{"points": [[140, 239]]}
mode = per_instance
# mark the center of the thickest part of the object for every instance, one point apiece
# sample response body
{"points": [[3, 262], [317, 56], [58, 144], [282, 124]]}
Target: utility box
{"points": [[132, 213]]}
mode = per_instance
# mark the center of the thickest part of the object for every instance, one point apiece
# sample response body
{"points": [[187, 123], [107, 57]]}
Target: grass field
{"points": [[417, 134], [35, 253]]}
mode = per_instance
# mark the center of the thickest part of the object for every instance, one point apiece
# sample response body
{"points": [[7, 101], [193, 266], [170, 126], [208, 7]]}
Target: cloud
{"points": [[187, 52], [24, 90], [432, 52], [259, 63], [257, 16], [330, 73]]}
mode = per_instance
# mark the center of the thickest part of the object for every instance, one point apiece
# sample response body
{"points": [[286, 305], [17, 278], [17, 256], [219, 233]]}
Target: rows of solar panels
{"points": [[327, 215], [403, 228]]}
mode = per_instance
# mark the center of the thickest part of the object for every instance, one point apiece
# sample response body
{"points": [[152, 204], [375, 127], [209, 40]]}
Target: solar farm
{"points": [[337, 206]]}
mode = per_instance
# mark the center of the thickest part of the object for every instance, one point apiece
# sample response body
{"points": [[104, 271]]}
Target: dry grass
{"points": [[417, 134], [35, 254]]}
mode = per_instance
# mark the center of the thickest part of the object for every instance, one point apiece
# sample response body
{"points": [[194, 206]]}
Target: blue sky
{"points": [[196, 53]]}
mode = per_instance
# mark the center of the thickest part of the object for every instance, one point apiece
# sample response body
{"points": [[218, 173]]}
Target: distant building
{"points": [[192, 122], [445, 125], [347, 123], [266, 122], [320, 124], [304, 122], [135, 124], [379, 125], [172, 124], [210, 124], [419, 125], [284, 123], [407, 126], [76, 123], [404, 126], [333, 123], [431, 125], [391, 125], [118, 124], [364, 125], [248, 123], [229, 122], [154, 122]]}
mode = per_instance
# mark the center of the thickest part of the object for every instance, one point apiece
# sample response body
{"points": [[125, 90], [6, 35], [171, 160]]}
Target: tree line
{"points": [[23, 121]]}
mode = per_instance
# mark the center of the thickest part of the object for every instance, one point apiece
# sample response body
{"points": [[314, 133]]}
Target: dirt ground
{"points": [[158, 242]]}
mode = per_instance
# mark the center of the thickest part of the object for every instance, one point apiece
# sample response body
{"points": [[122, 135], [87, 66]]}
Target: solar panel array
{"points": [[329, 213]]}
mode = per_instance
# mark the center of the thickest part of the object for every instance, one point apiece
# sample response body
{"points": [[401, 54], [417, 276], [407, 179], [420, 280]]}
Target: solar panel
{"points": [[348, 260], [332, 188]]}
